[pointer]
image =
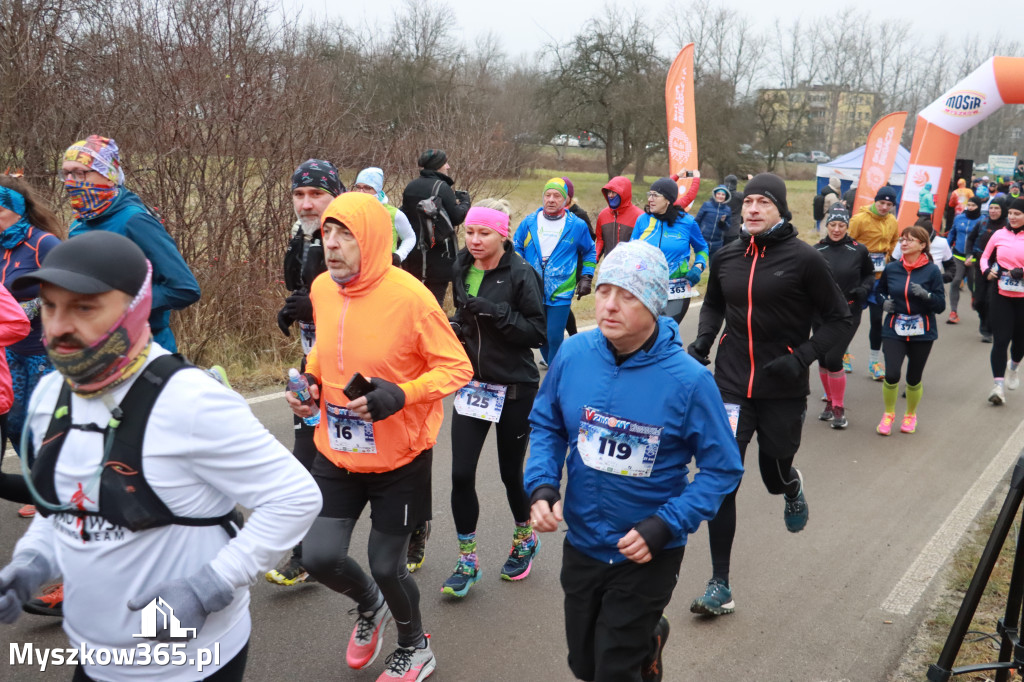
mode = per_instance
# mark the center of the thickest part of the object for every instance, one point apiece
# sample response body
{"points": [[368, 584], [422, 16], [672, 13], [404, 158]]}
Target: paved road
{"points": [[809, 606]]}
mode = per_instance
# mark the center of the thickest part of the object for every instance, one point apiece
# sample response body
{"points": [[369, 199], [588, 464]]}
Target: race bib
{"points": [[878, 261], [347, 432], [617, 446], [681, 288], [307, 332], [909, 325], [480, 400], [733, 412], [1007, 283]]}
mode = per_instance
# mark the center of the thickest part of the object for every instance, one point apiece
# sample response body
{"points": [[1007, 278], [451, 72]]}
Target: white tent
{"points": [[847, 169]]}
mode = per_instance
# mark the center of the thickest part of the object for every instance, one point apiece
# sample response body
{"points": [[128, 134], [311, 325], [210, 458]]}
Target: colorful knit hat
{"points": [[639, 268]]}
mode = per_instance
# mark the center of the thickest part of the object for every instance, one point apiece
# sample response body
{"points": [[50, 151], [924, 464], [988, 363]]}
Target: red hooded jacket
{"points": [[615, 225]]}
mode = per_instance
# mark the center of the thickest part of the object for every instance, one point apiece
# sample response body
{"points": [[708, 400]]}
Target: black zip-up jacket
{"points": [[303, 261], [768, 290], [851, 268], [439, 258], [501, 348]]}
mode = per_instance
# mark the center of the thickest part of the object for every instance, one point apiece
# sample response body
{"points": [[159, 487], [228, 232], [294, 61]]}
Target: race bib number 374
{"points": [[617, 446]]}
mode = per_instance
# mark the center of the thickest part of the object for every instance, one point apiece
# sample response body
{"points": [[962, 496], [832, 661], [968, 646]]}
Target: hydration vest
{"points": [[126, 498]]}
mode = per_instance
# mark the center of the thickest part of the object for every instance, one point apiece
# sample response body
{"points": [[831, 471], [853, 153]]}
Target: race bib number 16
{"points": [[347, 432], [617, 446]]}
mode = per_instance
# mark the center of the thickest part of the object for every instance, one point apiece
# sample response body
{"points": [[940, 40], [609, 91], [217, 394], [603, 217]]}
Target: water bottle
{"points": [[299, 387]]}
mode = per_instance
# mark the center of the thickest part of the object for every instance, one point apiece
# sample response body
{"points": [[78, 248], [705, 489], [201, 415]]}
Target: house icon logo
{"points": [[158, 614]]}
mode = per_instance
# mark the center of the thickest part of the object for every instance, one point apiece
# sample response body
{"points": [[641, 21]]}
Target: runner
{"points": [[499, 307], [14, 326], [574, 207], [315, 183], [615, 223], [551, 239], [161, 522], [668, 227], [913, 294], [984, 289], [876, 228], [957, 238], [378, 322], [1003, 263], [768, 288], [715, 218], [854, 273], [403, 239], [629, 386]]}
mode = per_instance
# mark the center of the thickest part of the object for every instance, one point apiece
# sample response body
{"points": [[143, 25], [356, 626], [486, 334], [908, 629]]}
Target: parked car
{"points": [[798, 157], [820, 157]]}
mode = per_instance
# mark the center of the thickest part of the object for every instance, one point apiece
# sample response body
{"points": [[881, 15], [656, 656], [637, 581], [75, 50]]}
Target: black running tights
{"points": [[1006, 317], [915, 353]]}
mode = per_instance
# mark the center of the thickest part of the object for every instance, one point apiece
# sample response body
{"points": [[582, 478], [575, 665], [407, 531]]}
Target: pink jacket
{"points": [[1010, 254], [14, 326]]}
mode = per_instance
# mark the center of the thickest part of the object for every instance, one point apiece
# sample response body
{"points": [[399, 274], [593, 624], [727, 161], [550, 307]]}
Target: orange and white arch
{"points": [[998, 81]]}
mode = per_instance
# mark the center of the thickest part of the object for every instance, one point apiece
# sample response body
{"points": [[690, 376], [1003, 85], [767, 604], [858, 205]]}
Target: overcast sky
{"points": [[526, 25]]}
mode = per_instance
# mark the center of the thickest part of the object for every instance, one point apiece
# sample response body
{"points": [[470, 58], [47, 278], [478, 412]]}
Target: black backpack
{"points": [[819, 206], [436, 226]]}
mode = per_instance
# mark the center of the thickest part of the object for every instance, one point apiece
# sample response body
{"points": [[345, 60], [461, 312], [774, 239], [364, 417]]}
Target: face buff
{"points": [[108, 361], [89, 200]]}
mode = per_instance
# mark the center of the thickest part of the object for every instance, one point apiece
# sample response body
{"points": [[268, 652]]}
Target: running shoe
{"points": [[909, 424], [465, 575], [1012, 379], [418, 547], [877, 371], [986, 338], [27, 512], [953, 318], [520, 557], [796, 512], [848, 363], [409, 664], [652, 670], [716, 601], [290, 572], [367, 637], [885, 426], [839, 420], [542, 363], [49, 603], [997, 396], [826, 414]]}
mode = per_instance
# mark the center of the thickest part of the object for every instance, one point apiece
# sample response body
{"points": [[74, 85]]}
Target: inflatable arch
{"points": [[998, 81]]}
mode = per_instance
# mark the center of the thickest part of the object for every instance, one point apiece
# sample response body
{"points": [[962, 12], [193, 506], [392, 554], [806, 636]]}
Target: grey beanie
{"points": [[640, 269]]}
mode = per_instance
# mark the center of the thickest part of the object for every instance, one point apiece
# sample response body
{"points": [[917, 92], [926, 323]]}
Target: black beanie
{"points": [[1017, 205], [433, 159], [837, 213], [773, 187], [666, 188], [886, 193]]}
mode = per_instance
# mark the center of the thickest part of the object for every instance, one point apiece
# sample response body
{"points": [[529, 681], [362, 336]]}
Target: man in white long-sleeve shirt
{"points": [[202, 453]]}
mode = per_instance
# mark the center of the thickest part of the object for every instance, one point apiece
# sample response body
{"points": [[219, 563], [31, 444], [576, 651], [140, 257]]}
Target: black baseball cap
{"points": [[93, 263]]}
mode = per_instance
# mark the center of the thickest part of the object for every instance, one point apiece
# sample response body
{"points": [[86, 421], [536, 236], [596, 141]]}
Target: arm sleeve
{"points": [[830, 305], [549, 440], [972, 237], [174, 286], [251, 467], [407, 238], [585, 247], [691, 193], [712, 313], [993, 242], [448, 367], [707, 434], [14, 325]]}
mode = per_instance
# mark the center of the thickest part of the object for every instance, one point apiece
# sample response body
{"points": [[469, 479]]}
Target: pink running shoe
{"points": [[885, 426], [367, 637], [909, 424]]}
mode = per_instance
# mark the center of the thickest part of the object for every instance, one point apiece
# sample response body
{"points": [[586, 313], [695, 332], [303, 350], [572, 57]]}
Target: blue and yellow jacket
{"points": [[559, 272], [675, 241]]}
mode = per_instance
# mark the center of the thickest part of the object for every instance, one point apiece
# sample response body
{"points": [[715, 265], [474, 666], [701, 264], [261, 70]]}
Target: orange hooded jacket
{"points": [[386, 324]]}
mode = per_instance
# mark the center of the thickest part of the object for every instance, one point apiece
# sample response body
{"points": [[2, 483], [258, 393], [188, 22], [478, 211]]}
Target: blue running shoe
{"points": [[520, 558], [796, 513], [716, 601], [464, 576]]}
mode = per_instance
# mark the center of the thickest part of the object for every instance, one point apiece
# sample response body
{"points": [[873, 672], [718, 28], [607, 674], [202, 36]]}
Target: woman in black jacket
{"points": [[977, 239], [853, 272], [499, 301]]}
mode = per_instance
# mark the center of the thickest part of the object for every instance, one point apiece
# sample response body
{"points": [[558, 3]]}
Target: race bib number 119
{"points": [[617, 446]]}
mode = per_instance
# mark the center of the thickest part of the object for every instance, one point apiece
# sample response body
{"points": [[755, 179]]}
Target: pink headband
{"points": [[488, 217]]}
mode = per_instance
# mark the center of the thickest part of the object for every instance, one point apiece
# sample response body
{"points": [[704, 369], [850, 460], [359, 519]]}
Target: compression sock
{"points": [[914, 397], [825, 383], [467, 547], [889, 394], [838, 382]]}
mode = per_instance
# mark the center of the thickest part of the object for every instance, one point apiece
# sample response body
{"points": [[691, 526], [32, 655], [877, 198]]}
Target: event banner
{"points": [[879, 157], [681, 113]]}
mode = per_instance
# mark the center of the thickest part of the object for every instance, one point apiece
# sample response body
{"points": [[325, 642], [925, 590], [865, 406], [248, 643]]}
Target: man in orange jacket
{"points": [[378, 321]]}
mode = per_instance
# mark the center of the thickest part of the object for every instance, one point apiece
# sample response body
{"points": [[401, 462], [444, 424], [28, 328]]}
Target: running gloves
{"points": [[693, 275], [583, 288], [384, 400], [786, 367], [919, 291], [19, 580], [194, 598], [699, 350]]}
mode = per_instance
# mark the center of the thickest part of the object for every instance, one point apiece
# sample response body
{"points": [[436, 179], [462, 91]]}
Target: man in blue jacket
{"points": [[625, 409], [100, 201]]}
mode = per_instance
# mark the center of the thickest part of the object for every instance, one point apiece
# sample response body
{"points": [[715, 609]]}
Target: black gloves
{"points": [[583, 288], [858, 294], [284, 322], [384, 400], [396, 260], [786, 367], [481, 307], [919, 291], [888, 306], [462, 196], [457, 329], [299, 307], [947, 277], [699, 352], [1017, 273]]}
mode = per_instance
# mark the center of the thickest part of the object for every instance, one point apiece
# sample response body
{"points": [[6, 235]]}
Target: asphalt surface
{"points": [[809, 606]]}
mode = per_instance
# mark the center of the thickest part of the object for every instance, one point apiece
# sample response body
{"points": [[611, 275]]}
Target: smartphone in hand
{"points": [[357, 387]]}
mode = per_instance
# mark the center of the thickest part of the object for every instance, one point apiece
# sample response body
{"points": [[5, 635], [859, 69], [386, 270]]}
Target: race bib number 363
{"points": [[347, 432], [681, 288], [617, 446]]}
